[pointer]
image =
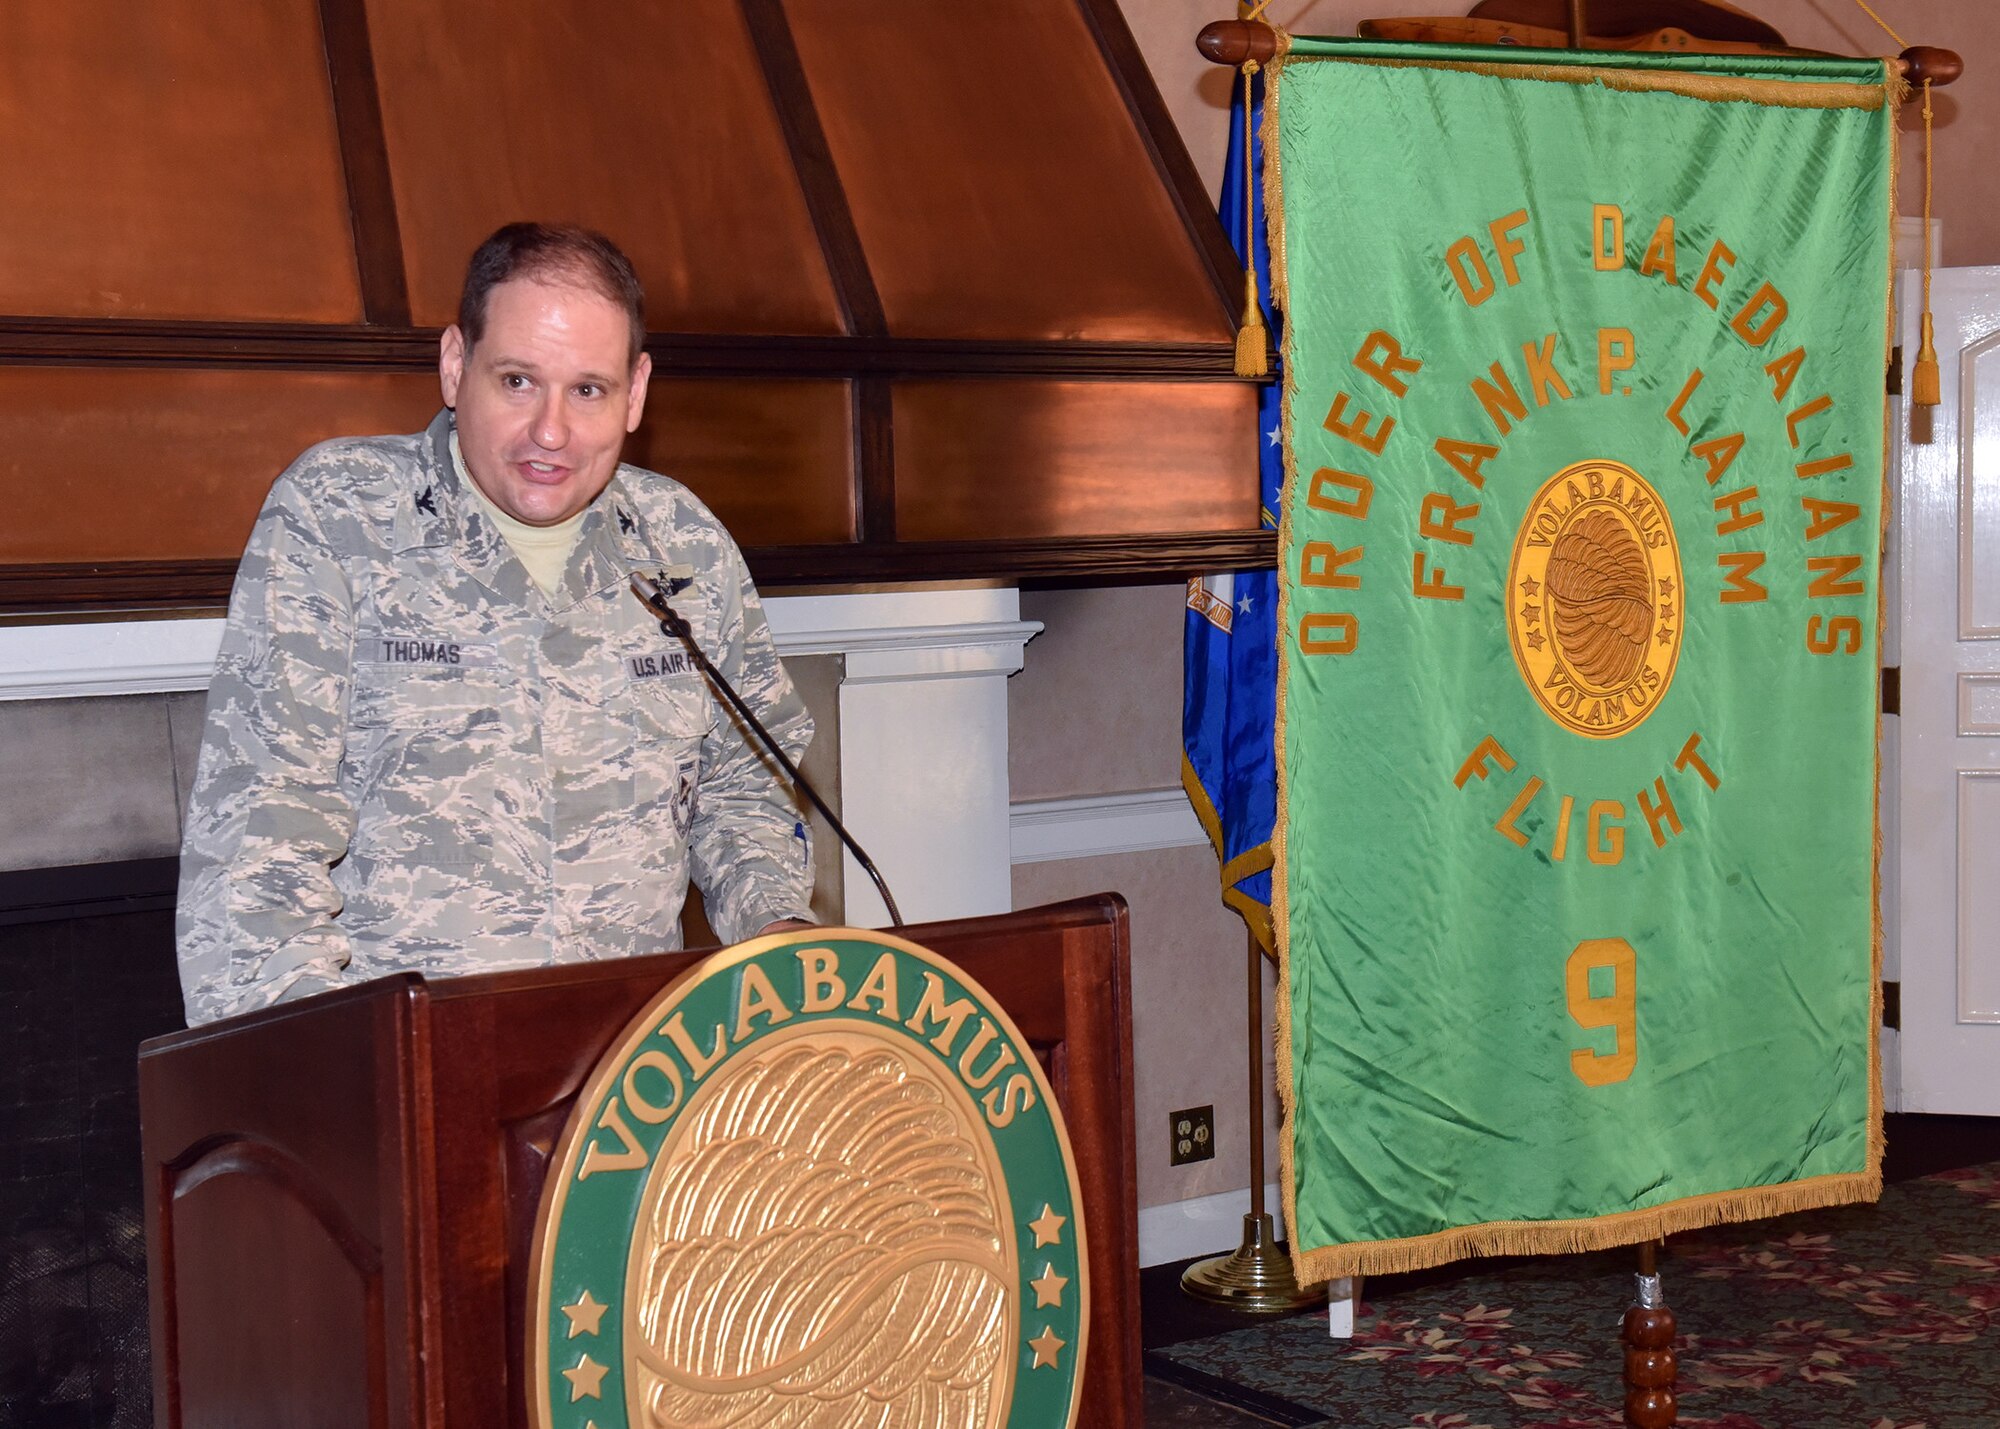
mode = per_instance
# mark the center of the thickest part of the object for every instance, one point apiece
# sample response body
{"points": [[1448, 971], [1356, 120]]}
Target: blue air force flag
{"points": [[1229, 705]]}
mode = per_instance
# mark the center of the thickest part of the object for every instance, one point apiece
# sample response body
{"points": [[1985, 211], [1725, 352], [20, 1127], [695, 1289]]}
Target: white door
{"points": [[1946, 826]]}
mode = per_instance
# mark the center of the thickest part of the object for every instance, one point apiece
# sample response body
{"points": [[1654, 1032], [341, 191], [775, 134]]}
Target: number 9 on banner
{"points": [[1617, 1009]]}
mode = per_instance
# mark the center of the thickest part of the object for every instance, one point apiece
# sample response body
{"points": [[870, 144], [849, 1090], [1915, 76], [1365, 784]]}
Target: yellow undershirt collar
{"points": [[544, 550]]}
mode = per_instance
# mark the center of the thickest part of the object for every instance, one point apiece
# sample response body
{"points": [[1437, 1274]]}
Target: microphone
{"points": [[674, 624]]}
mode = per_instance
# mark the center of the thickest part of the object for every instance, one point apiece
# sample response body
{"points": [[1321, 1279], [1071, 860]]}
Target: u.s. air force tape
{"points": [[659, 664]]}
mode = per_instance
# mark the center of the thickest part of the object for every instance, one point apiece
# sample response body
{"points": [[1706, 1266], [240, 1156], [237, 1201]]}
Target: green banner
{"points": [[1580, 570]]}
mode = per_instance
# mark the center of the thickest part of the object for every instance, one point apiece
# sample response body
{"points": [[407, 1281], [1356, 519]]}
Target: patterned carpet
{"points": [[1878, 1317]]}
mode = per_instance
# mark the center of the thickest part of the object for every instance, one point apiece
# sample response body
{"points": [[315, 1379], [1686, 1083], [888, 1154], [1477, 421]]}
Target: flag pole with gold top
{"points": [[1256, 1277]]}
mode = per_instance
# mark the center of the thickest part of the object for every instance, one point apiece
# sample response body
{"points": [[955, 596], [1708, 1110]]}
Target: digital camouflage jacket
{"points": [[414, 760]]}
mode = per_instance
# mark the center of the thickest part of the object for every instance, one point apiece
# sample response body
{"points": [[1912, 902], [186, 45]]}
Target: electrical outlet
{"points": [[1193, 1137]]}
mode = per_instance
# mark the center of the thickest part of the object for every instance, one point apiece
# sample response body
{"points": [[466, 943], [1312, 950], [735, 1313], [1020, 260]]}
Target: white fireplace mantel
{"points": [[107, 657], [923, 720], [889, 635], [923, 740]]}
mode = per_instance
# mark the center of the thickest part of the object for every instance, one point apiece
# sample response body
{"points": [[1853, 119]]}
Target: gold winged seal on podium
{"points": [[820, 1180]]}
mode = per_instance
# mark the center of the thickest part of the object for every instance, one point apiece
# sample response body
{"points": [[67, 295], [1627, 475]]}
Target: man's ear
{"points": [[451, 363], [635, 399]]}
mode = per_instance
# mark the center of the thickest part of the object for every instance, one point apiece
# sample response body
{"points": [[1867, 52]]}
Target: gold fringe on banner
{"points": [[1253, 860], [1899, 92], [1778, 93], [1392, 1257]]}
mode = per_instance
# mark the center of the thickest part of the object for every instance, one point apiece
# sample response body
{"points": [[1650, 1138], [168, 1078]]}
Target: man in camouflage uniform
{"points": [[414, 756]]}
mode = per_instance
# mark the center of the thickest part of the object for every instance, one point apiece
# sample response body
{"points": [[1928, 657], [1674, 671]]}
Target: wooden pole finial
{"points": [[1927, 63], [1237, 42]]}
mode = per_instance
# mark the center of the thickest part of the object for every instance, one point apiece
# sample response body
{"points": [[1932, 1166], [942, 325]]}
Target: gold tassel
{"points": [[1252, 340], [1924, 376], [1924, 372]]}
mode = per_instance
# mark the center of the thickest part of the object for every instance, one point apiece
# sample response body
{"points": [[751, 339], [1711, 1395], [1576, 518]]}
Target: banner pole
{"points": [[1255, 1120], [1650, 1366], [1255, 1278]]}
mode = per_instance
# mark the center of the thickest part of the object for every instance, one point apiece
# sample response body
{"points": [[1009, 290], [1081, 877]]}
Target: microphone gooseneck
{"points": [[674, 624]]}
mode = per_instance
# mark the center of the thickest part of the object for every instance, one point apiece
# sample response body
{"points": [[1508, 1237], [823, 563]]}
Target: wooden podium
{"points": [[340, 1193]]}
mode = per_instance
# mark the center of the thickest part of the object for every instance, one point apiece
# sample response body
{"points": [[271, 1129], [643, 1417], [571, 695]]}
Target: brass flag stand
{"points": [[1255, 1278]]}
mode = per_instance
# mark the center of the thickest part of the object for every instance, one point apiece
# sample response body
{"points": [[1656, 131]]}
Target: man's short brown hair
{"points": [[551, 253]]}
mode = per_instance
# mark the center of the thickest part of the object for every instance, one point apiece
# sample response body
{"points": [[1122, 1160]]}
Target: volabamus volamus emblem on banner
{"points": [[1578, 652], [821, 1179]]}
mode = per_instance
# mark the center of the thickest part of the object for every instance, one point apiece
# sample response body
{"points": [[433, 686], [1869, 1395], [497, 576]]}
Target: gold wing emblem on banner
{"points": [[1600, 592], [824, 1223], [1594, 598]]}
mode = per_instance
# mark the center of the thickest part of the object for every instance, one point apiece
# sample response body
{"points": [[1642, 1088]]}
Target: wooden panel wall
{"points": [[616, 116], [147, 463], [1069, 238], [1095, 458], [775, 456], [143, 177], [934, 293]]}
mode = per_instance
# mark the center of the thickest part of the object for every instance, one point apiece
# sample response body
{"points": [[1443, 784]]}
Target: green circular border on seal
{"points": [[599, 1171]]}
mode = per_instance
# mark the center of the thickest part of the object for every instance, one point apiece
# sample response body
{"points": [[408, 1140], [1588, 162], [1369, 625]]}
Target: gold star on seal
{"points": [[1666, 636], [1047, 1226], [1666, 587], [587, 1379], [1529, 586], [1049, 1289], [584, 1316], [1045, 1346], [1534, 639], [1531, 613]]}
